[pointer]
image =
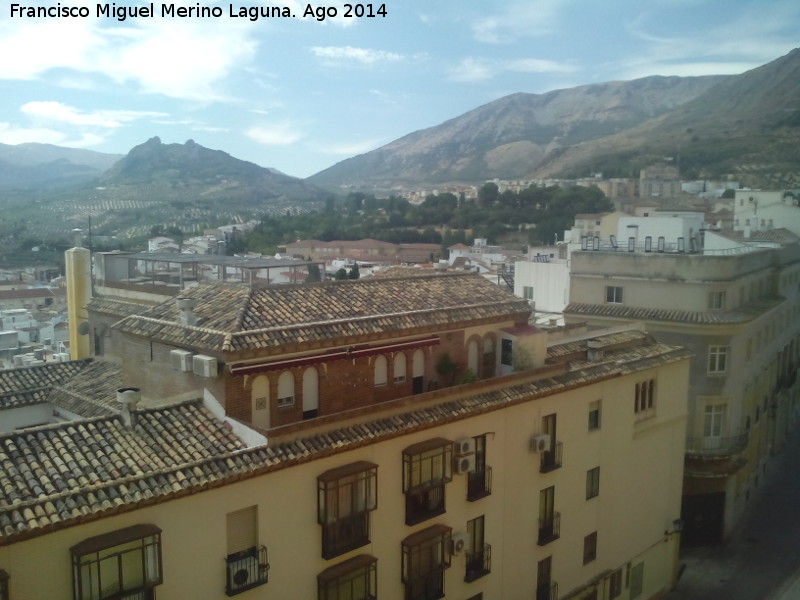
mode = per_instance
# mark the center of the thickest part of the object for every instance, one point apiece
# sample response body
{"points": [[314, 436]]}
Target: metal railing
{"points": [[551, 459], [245, 570], [549, 529], [479, 563], [716, 447], [479, 484]]}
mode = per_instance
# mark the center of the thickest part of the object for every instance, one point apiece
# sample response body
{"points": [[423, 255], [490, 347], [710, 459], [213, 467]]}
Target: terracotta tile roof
{"points": [[742, 314], [110, 306], [231, 318], [92, 392], [61, 475], [31, 293], [32, 385]]}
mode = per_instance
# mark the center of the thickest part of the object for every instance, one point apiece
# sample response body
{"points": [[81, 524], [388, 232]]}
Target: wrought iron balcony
{"points": [[479, 484], [716, 447], [245, 570], [551, 459], [549, 529], [548, 591], [479, 563], [345, 534]]}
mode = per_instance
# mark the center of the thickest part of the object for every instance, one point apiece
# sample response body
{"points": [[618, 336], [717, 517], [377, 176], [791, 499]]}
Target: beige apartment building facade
{"points": [[738, 312], [560, 479]]}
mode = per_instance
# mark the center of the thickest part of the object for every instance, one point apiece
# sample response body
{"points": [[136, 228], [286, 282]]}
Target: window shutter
{"points": [[242, 530]]}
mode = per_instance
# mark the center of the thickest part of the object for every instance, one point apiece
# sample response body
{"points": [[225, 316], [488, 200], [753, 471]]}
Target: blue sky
{"points": [[299, 95]]}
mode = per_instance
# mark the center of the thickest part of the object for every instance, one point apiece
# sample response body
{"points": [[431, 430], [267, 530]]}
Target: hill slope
{"points": [[45, 166]]}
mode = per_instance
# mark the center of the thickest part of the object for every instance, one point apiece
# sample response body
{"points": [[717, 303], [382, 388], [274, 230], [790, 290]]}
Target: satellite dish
{"points": [[84, 328]]}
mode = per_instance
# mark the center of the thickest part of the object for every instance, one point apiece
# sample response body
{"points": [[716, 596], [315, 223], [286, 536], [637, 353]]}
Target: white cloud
{"points": [[364, 56], [352, 148], [536, 65], [278, 134], [56, 111], [471, 70], [518, 20], [180, 58], [20, 135]]}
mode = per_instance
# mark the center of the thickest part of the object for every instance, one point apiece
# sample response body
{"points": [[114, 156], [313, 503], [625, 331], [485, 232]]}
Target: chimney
{"points": [[128, 398], [77, 237], [186, 306], [594, 350]]}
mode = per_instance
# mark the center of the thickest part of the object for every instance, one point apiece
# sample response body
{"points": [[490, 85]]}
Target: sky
{"points": [[301, 93]]}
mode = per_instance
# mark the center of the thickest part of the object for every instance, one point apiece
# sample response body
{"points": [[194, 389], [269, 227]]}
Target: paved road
{"points": [[762, 560]]}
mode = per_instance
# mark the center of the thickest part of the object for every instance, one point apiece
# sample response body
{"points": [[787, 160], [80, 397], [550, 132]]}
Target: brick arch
{"points": [[474, 350], [489, 353]]}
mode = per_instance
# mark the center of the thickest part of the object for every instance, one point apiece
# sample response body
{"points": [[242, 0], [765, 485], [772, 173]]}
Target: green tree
{"points": [[354, 274], [341, 274]]}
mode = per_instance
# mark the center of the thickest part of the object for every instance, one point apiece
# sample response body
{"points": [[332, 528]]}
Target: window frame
{"points": [[380, 371], [590, 548], [718, 359], [595, 415], [346, 528], [644, 402], [434, 540], [421, 488], [614, 294], [615, 584], [593, 482], [3, 585], [363, 567], [717, 300], [88, 555]]}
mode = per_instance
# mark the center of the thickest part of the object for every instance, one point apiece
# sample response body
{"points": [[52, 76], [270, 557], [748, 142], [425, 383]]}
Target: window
{"points": [[589, 548], [381, 375], [527, 292], [615, 584], [637, 581], [506, 351], [717, 359], [3, 585], [345, 497], [246, 560], [427, 467], [286, 389], [614, 294], [713, 425], [479, 554], [126, 561], [426, 554], [594, 415], [546, 589], [549, 519], [644, 402], [399, 368], [353, 579], [592, 482], [479, 481], [716, 300]]}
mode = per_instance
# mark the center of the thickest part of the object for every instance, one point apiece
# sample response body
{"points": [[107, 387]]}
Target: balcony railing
{"points": [[479, 484], [548, 591], [549, 529], [716, 447], [245, 570], [551, 459], [479, 563], [345, 534]]}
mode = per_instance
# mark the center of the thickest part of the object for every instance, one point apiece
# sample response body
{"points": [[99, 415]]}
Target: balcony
{"points": [[549, 529], [551, 459], [424, 503], [716, 447], [547, 591], [245, 570], [479, 563], [479, 484], [345, 534]]}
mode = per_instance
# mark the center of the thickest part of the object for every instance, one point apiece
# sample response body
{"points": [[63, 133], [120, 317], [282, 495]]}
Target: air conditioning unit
{"points": [[459, 542], [181, 360], [243, 572], [465, 446], [540, 443], [205, 366], [464, 464]]}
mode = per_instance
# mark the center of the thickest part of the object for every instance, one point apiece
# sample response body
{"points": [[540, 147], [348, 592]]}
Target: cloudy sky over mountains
{"points": [[299, 94]]}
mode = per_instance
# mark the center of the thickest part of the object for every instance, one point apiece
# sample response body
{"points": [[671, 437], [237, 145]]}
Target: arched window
{"points": [[310, 393], [472, 357], [259, 395], [399, 367], [286, 389], [381, 371]]}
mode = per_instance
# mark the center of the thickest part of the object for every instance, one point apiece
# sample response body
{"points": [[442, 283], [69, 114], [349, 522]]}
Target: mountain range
{"points": [[746, 126]]}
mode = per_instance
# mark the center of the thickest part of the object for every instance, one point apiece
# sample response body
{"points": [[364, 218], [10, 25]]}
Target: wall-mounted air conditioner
{"points": [[540, 443], [181, 360], [464, 464], [459, 543], [205, 366], [465, 446]]}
